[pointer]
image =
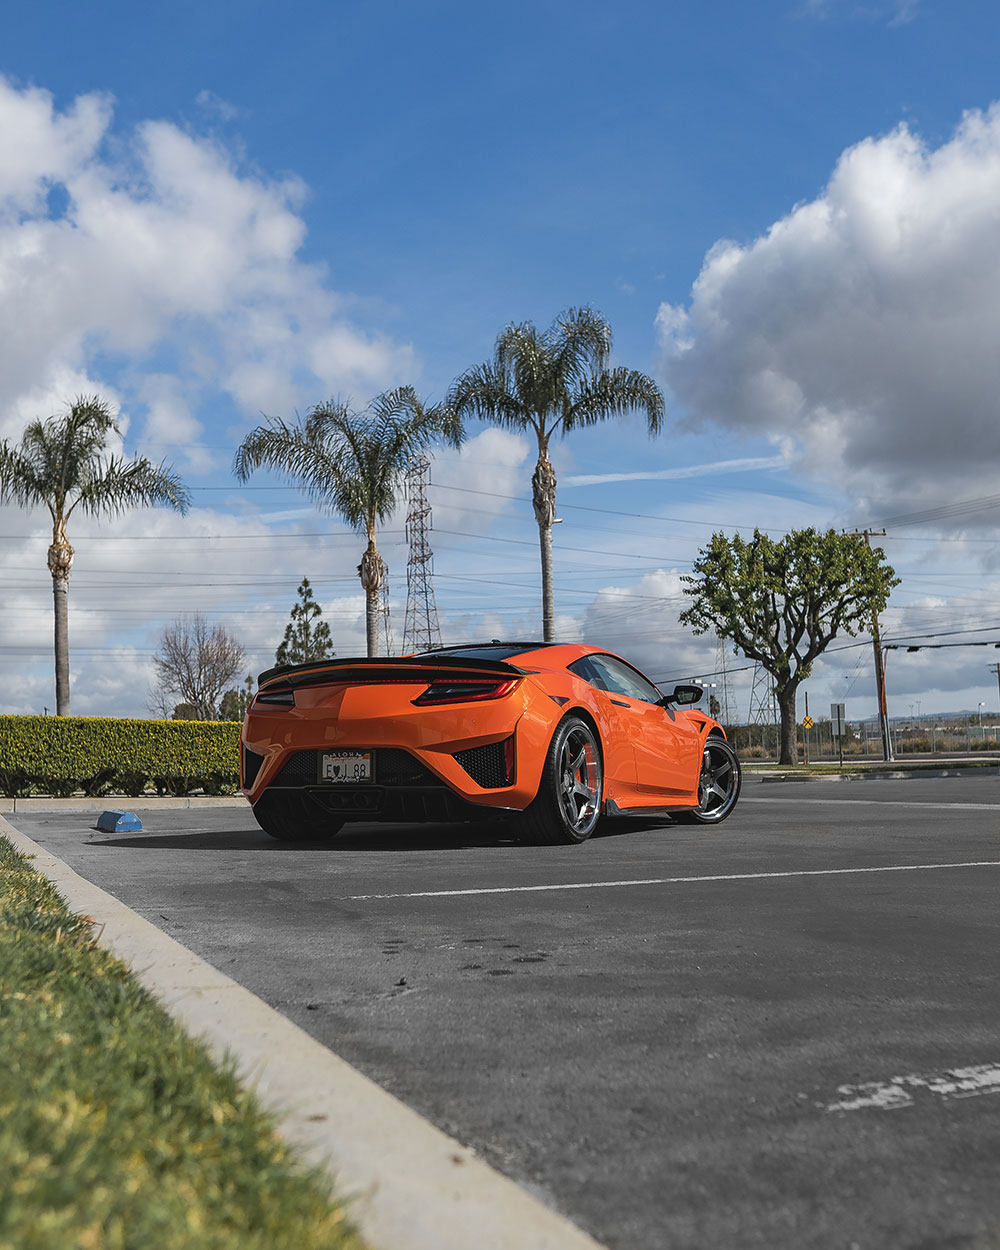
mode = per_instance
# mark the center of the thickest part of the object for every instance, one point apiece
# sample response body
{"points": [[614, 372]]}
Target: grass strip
{"points": [[117, 1130]]}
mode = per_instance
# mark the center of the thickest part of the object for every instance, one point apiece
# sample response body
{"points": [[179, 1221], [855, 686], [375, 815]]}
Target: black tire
{"points": [[718, 785], [293, 819], [567, 806]]}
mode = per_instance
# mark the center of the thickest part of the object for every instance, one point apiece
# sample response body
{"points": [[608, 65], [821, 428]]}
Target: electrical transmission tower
{"points": [[421, 629], [762, 709], [727, 710], [763, 706], [383, 609]]}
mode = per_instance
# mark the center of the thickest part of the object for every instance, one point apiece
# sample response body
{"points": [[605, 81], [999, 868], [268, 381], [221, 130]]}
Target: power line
{"points": [[961, 507]]}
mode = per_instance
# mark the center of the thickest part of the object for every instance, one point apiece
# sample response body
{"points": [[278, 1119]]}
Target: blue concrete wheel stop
{"points": [[119, 822]]}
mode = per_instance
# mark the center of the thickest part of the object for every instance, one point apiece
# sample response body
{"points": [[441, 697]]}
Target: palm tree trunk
{"points": [[371, 570], [371, 622], [60, 592], [543, 496], [60, 560]]}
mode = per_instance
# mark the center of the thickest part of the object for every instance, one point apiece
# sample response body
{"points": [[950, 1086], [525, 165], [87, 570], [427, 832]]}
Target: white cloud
{"points": [[472, 487], [750, 464], [158, 246], [892, 12], [859, 333], [213, 103]]}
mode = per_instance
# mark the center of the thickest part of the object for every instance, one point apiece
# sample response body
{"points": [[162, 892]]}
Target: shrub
{"points": [[913, 746], [63, 754]]}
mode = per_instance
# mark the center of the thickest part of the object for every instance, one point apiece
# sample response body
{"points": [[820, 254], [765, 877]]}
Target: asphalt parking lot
{"points": [[783, 1032]]}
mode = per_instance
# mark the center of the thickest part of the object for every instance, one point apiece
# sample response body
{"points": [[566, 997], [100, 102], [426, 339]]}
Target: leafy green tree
{"points": [[236, 701], [307, 638], [783, 603], [185, 711], [352, 464], [549, 382], [63, 463], [233, 705]]}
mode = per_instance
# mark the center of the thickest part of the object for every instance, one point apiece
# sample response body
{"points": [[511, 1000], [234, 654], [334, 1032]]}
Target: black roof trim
{"points": [[359, 668], [493, 642]]}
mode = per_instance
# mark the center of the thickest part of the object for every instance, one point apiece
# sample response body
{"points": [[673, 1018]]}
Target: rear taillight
{"points": [[274, 698], [466, 690]]}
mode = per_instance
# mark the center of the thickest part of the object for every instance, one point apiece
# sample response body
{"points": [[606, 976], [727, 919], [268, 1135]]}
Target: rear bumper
{"points": [[403, 804], [406, 785]]}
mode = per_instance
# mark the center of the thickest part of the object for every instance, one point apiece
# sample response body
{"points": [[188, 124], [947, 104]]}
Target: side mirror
{"points": [[683, 695]]}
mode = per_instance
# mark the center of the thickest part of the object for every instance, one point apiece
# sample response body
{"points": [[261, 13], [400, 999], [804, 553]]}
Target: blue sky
{"points": [[786, 210]]}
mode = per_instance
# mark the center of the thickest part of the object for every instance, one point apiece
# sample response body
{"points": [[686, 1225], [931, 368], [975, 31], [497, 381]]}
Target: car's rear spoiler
{"points": [[388, 668]]}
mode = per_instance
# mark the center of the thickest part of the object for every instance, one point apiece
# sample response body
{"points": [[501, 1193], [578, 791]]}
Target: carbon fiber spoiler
{"points": [[389, 668]]}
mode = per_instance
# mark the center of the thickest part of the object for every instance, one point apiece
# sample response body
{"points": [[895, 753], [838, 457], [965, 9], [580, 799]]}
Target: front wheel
{"points": [[568, 803], [718, 784]]}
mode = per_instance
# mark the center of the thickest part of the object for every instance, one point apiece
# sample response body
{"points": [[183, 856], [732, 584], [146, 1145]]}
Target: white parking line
{"points": [[736, 876], [881, 803], [898, 1091]]}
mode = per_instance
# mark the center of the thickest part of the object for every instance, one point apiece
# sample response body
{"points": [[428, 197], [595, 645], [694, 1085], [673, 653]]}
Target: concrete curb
{"points": [[896, 774], [146, 803], [412, 1186]]}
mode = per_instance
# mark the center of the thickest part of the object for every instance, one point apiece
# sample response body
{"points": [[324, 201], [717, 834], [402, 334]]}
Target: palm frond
{"points": [[350, 463], [580, 343], [61, 463], [487, 392], [113, 486], [20, 482], [613, 393]]}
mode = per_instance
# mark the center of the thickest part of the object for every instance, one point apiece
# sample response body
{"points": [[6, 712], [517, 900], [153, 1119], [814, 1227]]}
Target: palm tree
{"points": [[554, 381], [61, 463], [352, 463]]}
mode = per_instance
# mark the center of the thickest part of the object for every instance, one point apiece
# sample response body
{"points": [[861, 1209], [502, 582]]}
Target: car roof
{"points": [[544, 654], [495, 649]]}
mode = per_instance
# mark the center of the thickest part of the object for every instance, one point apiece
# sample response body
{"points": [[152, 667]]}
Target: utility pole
{"points": [[883, 715], [995, 668]]}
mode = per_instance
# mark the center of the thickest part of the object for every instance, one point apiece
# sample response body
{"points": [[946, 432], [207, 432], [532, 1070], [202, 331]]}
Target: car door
{"points": [[619, 756], [665, 746]]}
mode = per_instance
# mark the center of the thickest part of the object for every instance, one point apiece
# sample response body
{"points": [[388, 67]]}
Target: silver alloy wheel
{"points": [[579, 784], [719, 783]]}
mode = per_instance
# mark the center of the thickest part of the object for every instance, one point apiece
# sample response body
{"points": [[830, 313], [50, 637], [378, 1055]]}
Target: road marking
{"points": [[881, 803], [898, 1091], [736, 876]]}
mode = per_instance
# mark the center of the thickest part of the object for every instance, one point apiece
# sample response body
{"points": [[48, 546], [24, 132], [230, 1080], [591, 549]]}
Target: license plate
{"points": [[345, 767]]}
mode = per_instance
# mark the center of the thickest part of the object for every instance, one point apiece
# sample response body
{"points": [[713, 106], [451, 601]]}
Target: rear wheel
{"points": [[568, 803], [294, 819], [718, 784]]}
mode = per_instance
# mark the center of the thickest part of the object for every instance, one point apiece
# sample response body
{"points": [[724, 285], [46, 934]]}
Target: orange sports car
{"points": [[553, 735]]}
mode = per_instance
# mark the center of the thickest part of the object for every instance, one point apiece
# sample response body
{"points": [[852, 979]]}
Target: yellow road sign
{"points": [[807, 722]]}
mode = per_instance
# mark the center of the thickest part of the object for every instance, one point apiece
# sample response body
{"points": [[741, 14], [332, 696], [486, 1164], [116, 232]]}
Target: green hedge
{"points": [[63, 754]]}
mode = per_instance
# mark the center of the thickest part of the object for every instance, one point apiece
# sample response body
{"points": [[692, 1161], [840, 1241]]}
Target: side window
{"points": [[621, 678], [585, 668]]}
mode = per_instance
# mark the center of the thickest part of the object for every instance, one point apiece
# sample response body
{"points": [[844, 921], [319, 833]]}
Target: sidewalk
{"points": [[874, 770]]}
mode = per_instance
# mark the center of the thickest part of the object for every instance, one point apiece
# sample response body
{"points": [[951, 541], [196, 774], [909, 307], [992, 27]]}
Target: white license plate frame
{"points": [[346, 768]]}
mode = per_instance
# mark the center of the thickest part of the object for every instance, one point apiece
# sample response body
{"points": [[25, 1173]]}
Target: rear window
{"points": [[489, 651]]}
